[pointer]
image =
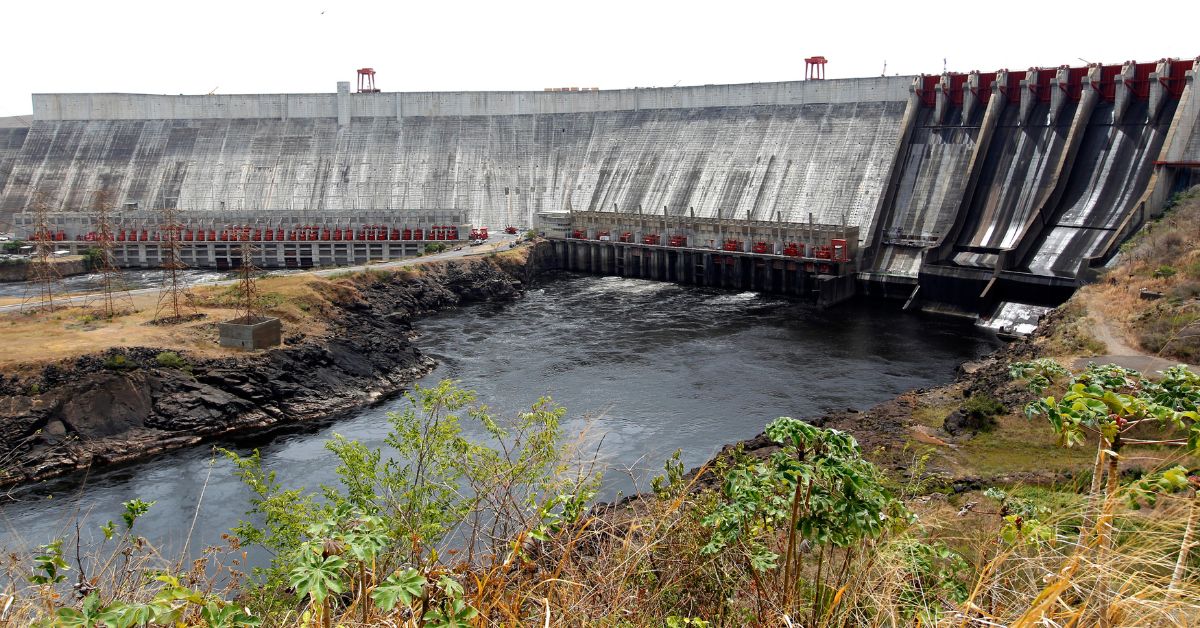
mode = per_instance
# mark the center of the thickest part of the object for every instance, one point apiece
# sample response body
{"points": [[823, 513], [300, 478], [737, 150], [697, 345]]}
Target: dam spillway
{"points": [[964, 189]]}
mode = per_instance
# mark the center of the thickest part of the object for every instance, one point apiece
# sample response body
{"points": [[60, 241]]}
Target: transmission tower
{"points": [[43, 273], [113, 292], [248, 307], [173, 295]]}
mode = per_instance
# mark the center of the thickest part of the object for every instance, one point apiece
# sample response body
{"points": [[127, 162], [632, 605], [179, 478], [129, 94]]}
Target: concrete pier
{"points": [[824, 281]]}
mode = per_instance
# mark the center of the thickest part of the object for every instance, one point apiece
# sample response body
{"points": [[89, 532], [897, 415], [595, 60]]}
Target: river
{"points": [[650, 367]]}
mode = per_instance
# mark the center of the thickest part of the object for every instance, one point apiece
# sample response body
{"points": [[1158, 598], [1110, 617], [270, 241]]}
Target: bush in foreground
{"points": [[439, 530]]}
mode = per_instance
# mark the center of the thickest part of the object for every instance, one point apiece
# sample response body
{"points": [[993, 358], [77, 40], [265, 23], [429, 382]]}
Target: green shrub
{"points": [[93, 257], [434, 247], [171, 360], [1164, 272], [119, 362], [982, 406]]}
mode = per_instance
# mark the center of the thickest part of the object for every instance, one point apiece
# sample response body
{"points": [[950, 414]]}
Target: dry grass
{"points": [[34, 338], [1162, 259], [303, 301], [1076, 333]]}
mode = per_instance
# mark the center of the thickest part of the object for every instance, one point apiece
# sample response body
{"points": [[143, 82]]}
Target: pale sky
{"points": [[297, 46]]}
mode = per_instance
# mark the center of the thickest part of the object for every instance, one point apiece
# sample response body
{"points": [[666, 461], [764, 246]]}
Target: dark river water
{"points": [[647, 367]]}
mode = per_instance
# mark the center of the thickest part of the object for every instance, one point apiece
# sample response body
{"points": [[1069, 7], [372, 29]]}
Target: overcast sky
{"points": [[253, 46]]}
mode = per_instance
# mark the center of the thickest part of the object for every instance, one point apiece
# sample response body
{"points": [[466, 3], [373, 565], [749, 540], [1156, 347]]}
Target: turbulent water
{"points": [[644, 367], [130, 280]]}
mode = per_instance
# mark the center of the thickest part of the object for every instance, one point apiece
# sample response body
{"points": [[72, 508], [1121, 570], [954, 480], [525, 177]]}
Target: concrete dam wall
{"points": [[753, 150], [759, 161], [974, 187]]}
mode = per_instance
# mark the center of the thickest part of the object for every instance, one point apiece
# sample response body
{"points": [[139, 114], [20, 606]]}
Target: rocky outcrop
{"points": [[125, 404]]}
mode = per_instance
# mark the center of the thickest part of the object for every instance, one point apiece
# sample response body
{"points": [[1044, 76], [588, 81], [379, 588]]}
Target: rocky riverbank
{"points": [[936, 437], [131, 403]]}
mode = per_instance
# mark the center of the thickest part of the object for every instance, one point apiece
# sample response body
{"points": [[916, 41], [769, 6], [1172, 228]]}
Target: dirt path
{"points": [[1119, 352]]}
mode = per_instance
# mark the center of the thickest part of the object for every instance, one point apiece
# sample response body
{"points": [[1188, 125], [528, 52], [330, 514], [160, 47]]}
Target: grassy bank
{"points": [[303, 301]]}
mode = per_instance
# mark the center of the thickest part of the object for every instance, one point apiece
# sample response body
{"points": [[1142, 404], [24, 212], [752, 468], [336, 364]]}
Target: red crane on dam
{"points": [[814, 68], [366, 81]]}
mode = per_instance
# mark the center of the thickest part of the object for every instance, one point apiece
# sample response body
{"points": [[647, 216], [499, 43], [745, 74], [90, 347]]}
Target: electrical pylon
{"points": [[248, 306], [173, 296], [113, 292], [43, 273]]}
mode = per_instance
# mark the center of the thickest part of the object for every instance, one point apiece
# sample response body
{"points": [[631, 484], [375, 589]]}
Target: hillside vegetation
{"points": [[1152, 295]]}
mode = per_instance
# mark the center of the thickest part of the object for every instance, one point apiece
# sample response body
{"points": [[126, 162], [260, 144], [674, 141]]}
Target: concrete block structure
{"points": [[250, 334]]}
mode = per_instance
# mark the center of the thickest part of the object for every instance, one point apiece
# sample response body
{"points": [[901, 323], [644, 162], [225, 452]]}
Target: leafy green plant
{"points": [[1109, 402], [1164, 272], [93, 257], [119, 362], [449, 611], [401, 587], [1021, 519], [90, 615], [171, 360], [49, 566], [934, 580], [819, 490], [382, 531], [671, 483], [1038, 374], [134, 509]]}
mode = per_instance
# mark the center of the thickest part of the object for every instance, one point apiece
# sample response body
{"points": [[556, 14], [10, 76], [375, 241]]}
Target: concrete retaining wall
{"points": [[48, 107]]}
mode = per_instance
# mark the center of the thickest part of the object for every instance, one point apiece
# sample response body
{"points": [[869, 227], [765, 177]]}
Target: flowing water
{"points": [[132, 279], [644, 367]]}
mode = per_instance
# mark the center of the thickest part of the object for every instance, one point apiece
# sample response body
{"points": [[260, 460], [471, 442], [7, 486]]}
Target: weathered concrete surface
{"points": [[824, 159], [457, 104], [11, 141], [930, 188], [250, 333], [1107, 179]]}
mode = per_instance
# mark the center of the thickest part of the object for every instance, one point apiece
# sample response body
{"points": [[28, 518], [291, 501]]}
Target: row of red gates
{"points": [[300, 233]]}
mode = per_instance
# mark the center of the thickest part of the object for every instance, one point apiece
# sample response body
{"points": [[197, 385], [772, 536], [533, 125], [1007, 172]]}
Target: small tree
{"points": [[824, 496], [1108, 402]]}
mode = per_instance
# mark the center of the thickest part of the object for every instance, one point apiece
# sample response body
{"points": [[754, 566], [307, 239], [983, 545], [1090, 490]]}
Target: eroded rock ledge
{"points": [[85, 413]]}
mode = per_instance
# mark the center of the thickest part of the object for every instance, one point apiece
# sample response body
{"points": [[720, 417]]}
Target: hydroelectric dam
{"points": [[959, 192]]}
